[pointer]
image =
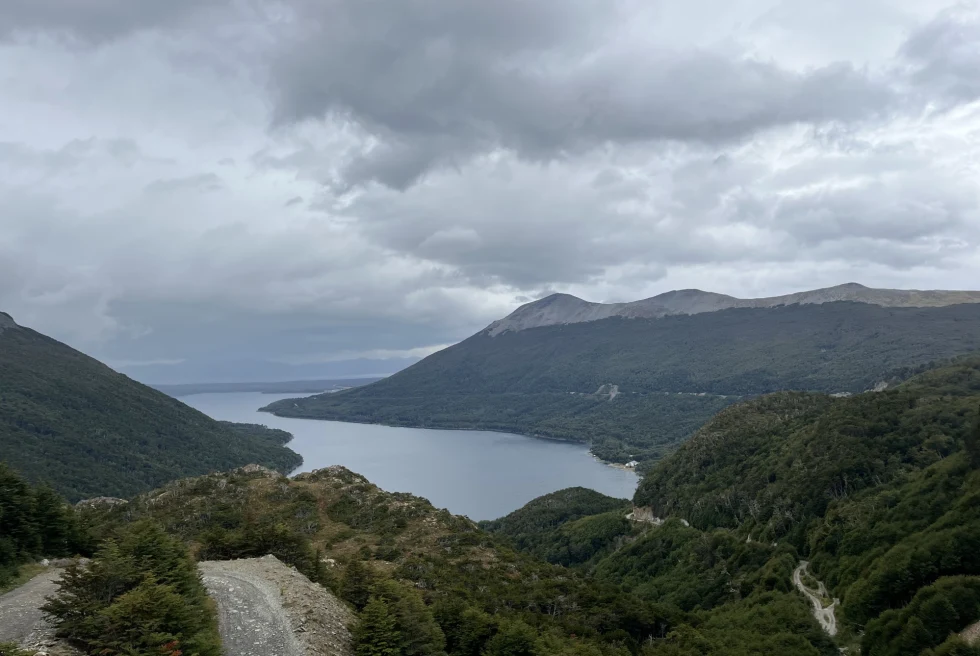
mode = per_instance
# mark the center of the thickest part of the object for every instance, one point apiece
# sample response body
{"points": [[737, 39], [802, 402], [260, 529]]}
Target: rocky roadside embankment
{"points": [[268, 609]]}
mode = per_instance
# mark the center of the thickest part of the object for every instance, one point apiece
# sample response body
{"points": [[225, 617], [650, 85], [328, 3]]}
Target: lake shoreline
{"points": [[482, 474], [567, 440]]}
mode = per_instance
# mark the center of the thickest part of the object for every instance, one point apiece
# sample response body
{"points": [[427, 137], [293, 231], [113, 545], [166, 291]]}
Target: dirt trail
{"points": [[825, 616]]}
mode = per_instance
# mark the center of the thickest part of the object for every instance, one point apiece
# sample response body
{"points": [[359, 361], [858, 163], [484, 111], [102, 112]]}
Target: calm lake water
{"points": [[479, 474]]}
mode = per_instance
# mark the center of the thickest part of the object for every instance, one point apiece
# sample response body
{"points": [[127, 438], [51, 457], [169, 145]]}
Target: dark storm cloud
{"points": [[436, 81]]}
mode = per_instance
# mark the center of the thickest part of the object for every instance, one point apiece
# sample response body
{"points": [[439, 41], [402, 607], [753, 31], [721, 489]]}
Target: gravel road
{"points": [[21, 619], [825, 616], [264, 609], [250, 615], [268, 609]]}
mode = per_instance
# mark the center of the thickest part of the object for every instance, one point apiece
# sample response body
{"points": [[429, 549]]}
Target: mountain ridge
{"points": [[70, 420], [7, 321], [672, 373], [563, 309]]}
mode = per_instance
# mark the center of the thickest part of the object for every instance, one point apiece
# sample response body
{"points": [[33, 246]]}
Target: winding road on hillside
{"points": [[264, 609], [825, 614]]}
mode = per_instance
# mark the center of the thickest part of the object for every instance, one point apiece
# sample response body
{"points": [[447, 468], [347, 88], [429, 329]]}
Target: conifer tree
{"points": [[355, 587], [973, 444], [420, 634], [141, 594], [376, 633], [54, 523]]}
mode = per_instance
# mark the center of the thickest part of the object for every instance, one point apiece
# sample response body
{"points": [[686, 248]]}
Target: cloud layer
{"points": [[303, 182]]}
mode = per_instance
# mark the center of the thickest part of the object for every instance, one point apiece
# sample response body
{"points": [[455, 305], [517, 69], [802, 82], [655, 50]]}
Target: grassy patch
{"points": [[24, 574]]}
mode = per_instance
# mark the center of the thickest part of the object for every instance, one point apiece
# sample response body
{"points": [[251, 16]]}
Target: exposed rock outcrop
{"points": [[101, 502]]}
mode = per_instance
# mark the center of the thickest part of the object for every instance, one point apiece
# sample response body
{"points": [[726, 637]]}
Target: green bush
{"points": [[140, 594]]}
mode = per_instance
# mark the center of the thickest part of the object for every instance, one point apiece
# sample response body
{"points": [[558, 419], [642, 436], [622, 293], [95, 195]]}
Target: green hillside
{"points": [[672, 373], [72, 422], [474, 595], [567, 527], [879, 492]]}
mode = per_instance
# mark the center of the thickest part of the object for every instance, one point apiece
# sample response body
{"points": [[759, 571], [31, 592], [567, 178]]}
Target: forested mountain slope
{"points": [[69, 420], [638, 386], [432, 583], [880, 492]]}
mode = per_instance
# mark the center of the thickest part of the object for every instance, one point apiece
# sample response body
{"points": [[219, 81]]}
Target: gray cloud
{"points": [[436, 82], [944, 57], [611, 150], [200, 182], [96, 20]]}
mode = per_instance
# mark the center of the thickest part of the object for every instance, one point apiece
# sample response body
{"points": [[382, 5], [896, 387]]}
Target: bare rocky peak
{"points": [[560, 309], [7, 321]]}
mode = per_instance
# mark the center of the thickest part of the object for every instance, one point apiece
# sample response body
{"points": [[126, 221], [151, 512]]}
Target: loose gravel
{"points": [[268, 609], [21, 619]]}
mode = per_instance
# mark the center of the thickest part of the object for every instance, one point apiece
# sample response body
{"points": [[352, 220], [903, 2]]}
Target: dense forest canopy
{"points": [[880, 492], [88, 431]]}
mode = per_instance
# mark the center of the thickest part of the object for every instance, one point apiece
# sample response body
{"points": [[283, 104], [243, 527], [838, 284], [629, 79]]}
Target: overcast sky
{"points": [[216, 189]]}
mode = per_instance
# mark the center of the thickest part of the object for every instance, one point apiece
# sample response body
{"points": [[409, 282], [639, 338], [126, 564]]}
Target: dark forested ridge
{"points": [[69, 420], [670, 374]]}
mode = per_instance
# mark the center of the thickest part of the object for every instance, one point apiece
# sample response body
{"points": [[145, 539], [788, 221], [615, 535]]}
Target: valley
{"points": [[790, 523]]}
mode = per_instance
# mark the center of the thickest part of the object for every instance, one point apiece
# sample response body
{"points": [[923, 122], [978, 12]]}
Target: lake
{"points": [[475, 473]]}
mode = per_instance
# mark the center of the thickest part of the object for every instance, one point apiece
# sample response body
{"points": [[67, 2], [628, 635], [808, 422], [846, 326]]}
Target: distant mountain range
{"points": [[635, 379], [284, 387], [563, 309], [68, 420]]}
